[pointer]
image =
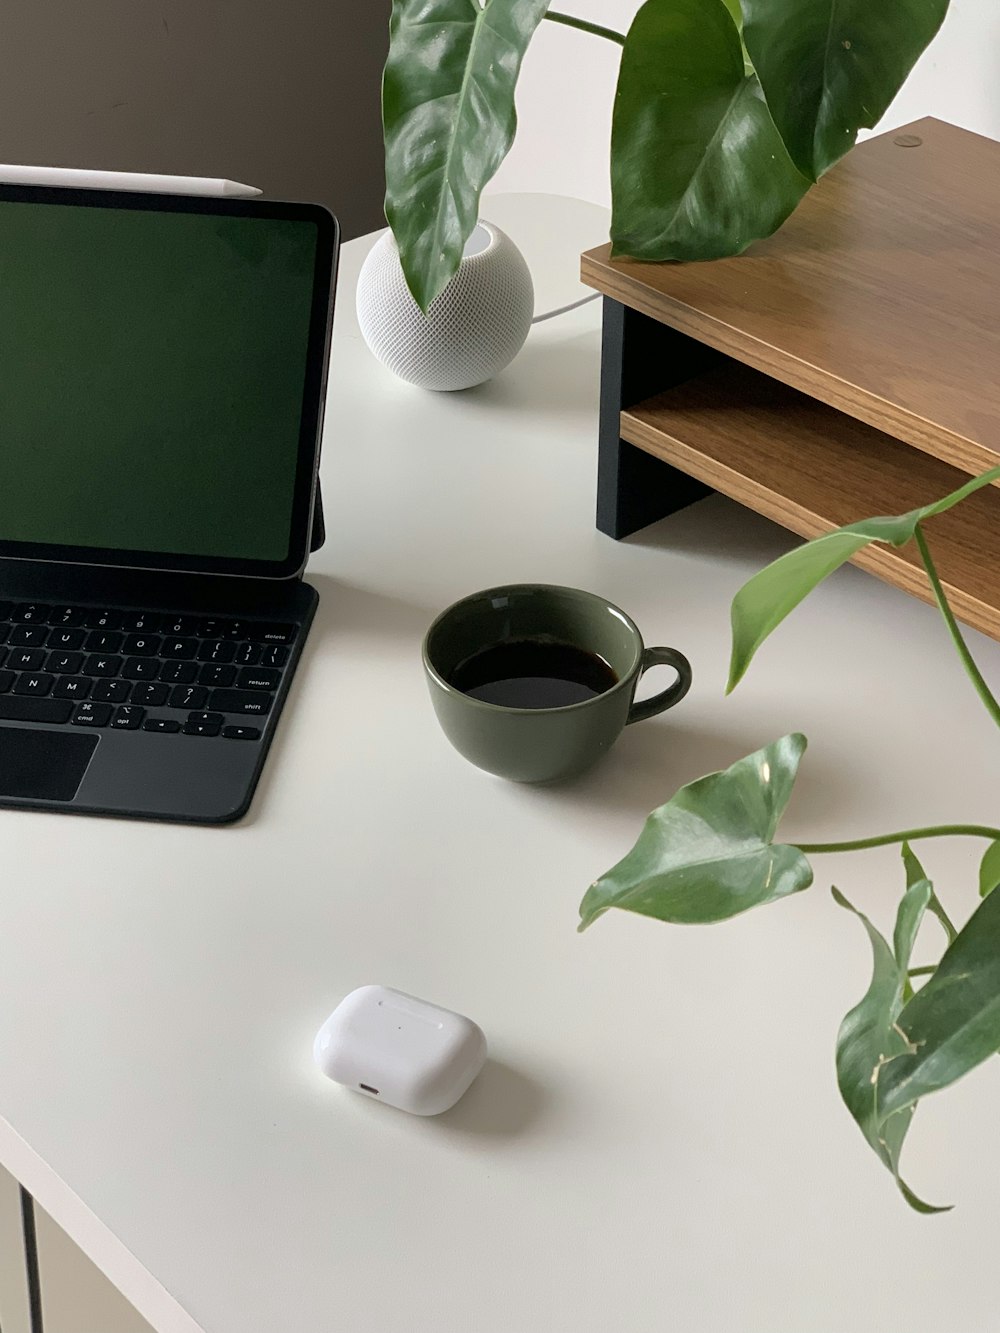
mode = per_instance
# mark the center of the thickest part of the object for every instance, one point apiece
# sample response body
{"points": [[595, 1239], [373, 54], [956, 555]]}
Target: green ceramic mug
{"points": [[542, 744]]}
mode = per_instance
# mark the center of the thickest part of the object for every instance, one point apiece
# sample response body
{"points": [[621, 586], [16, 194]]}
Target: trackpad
{"points": [[43, 765]]}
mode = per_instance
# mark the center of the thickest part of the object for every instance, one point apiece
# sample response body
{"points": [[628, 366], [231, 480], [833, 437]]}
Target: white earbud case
{"points": [[401, 1050]]}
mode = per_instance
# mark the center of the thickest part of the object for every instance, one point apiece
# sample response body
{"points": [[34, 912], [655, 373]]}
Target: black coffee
{"points": [[533, 673]]}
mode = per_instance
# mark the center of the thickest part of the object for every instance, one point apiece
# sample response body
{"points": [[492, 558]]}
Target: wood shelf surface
{"points": [[812, 469], [879, 296]]}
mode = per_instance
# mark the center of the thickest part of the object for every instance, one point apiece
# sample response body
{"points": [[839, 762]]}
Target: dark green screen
{"points": [[151, 378]]}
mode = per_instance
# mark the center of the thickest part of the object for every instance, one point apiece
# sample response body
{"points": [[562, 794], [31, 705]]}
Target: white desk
{"points": [[658, 1143]]}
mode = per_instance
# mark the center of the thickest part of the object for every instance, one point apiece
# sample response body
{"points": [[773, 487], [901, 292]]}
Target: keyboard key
{"points": [[96, 619], [216, 629], [3, 653], [25, 659], [273, 655], [240, 701], [5, 630], [27, 636], [72, 687], [64, 664], [264, 633], [34, 682], [150, 695], [259, 678], [99, 665], [141, 668], [179, 625], [28, 613], [160, 724], [215, 673], [206, 717], [14, 709], [92, 715], [201, 728], [66, 615], [7, 679], [67, 639], [181, 673], [180, 649], [4, 610], [103, 641], [142, 645], [188, 696], [216, 650], [248, 654], [241, 733], [141, 622], [128, 717], [110, 691]]}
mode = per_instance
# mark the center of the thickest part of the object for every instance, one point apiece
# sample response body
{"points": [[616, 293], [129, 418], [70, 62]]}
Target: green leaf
{"points": [[915, 871], [869, 1035], [448, 115], [697, 168], [829, 67], [952, 1023], [989, 869], [709, 853], [765, 600]]}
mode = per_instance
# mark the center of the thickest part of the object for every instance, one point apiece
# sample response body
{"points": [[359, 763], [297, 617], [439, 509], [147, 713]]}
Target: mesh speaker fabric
{"points": [[472, 330]]}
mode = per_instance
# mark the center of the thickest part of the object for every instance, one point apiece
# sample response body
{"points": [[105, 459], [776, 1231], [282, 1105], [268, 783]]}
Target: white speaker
{"points": [[472, 330]]}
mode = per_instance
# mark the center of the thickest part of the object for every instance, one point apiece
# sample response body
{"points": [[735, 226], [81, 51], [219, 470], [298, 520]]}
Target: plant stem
{"points": [[922, 971], [595, 28], [961, 647], [906, 835]]}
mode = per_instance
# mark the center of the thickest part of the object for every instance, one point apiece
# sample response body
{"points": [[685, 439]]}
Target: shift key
{"points": [[239, 701]]}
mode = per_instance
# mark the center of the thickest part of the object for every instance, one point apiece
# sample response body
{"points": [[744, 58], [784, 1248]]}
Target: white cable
{"points": [[563, 309]]}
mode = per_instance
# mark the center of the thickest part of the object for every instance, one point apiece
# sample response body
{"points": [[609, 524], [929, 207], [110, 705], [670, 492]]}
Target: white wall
{"points": [[568, 80]]}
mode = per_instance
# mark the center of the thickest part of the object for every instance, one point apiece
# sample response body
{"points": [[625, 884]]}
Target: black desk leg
{"points": [[639, 358], [31, 1260]]}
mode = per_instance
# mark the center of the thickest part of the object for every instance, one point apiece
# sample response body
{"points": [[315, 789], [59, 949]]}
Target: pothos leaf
{"points": [[448, 115], [952, 1023], [869, 1036], [698, 169], [709, 853], [989, 869], [829, 67], [765, 600]]}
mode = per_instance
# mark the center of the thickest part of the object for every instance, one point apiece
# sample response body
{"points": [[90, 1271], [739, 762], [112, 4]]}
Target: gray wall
{"points": [[283, 94]]}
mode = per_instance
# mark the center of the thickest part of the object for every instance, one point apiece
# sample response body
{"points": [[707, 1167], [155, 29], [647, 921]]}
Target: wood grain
{"points": [[812, 469], [880, 296]]}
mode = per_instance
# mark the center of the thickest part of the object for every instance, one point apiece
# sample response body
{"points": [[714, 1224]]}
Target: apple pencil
{"points": [[73, 178]]}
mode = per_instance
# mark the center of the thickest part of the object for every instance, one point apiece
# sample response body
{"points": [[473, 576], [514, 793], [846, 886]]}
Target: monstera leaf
{"points": [[829, 67], [698, 169], [448, 116], [765, 600], [709, 853]]}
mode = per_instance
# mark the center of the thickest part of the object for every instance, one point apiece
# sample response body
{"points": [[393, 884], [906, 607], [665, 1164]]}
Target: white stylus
{"points": [[74, 178]]}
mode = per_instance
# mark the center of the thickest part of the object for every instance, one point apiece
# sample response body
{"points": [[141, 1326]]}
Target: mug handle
{"points": [[659, 703]]}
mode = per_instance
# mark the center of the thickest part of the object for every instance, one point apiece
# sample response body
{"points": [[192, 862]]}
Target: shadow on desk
{"points": [[717, 528], [651, 761], [347, 609], [502, 1103], [545, 381]]}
